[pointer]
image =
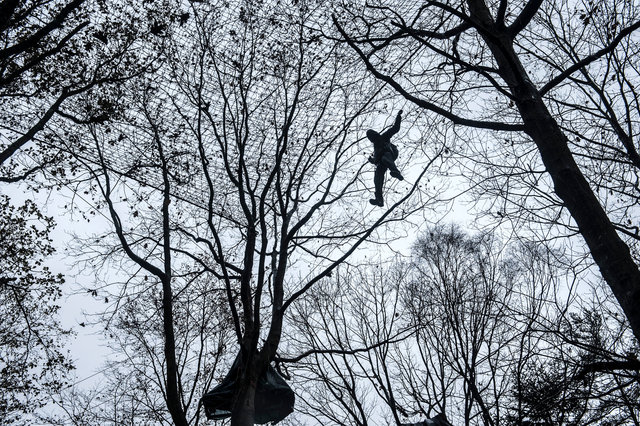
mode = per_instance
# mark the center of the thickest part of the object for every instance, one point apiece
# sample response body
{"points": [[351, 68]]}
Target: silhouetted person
{"points": [[384, 156]]}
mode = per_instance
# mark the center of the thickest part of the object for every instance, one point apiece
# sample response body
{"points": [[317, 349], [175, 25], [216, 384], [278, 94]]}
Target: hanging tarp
{"points": [[273, 401], [439, 420]]}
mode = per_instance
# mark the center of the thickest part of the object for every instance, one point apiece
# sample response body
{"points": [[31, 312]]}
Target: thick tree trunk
{"points": [[609, 252], [243, 413]]}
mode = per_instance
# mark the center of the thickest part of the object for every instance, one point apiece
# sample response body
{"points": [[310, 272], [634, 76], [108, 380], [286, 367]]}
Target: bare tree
{"points": [[241, 160], [485, 332], [349, 330], [478, 51], [132, 387], [52, 54]]}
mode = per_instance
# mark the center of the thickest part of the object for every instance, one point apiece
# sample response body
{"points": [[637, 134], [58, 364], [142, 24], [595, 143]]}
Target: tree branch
{"points": [[423, 103], [35, 38], [43, 56], [527, 14], [341, 351], [22, 140], [26, 174], [453, 32], [502, 9], [607, 367], [586, 61]]}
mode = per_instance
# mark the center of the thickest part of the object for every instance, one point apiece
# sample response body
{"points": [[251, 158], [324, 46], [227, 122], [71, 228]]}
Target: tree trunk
{"points": [[173, 396], [174, 404], [243, 413], [609, 252]]}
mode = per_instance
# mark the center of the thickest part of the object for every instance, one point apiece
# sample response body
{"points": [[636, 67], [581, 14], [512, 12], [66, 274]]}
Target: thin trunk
{"points": [[174, 404], [173, 396]]}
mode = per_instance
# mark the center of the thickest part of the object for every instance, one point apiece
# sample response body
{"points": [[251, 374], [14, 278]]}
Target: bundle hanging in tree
{"points": [[274, 398]]}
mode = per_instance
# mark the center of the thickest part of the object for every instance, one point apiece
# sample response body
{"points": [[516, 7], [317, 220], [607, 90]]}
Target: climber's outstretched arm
{"points": [[395, 128]]}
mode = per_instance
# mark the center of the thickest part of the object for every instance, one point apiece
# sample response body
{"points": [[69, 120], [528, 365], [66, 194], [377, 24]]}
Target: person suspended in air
{"points": [[384, 156]]}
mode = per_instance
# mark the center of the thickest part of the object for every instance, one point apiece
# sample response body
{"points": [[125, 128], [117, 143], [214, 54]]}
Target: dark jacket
{"points": [[382, 141]]}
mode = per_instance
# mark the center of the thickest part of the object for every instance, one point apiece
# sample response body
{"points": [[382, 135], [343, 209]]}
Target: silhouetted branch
{"points": [[589, 59], [342, 351], [527, 14], [421, 102], [35, 38]]}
